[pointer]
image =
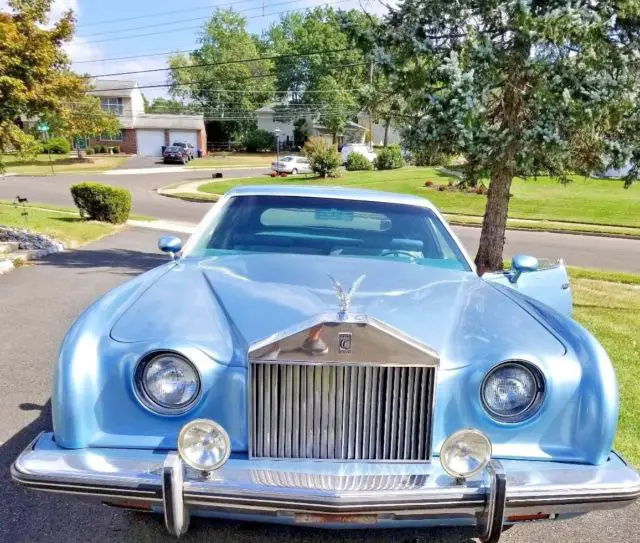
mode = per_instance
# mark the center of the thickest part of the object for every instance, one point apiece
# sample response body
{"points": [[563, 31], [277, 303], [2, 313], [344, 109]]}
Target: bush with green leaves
{"points": [[115, 150], [96, 149], [57, 146], [259, 140], [89, 151], [104, 149], [357, 161], [389, 158], [324, 158], [102, 202]]}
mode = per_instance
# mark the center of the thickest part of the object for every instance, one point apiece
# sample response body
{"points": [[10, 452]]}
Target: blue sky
{"points": [[108, 29]]}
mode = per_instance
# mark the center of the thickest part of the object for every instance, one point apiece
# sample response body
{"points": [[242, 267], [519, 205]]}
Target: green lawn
{"points": [[593, 201], [221, 160], [65, 226], [610, 309], [61, 164]]}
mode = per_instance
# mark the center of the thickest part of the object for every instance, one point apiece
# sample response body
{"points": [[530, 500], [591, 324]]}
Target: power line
{"points": [[133, 36], [165, 53], [162, 13], [222, 63], [187, 83], [178, 21]]}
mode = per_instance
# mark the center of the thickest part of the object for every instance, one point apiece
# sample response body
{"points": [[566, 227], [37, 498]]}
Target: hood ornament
{"points": [[345, 297]]}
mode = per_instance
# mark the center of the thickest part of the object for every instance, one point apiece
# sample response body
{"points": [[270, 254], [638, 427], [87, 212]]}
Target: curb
{"points": [[189, 199], [555, 231], [32, 254]]}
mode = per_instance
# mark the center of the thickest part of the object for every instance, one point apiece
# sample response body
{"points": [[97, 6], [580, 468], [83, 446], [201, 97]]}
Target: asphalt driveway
{"points": [[37, 305]]}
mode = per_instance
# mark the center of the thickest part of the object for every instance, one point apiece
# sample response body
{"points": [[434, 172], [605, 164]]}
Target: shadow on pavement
{"points": [[119, 261]]}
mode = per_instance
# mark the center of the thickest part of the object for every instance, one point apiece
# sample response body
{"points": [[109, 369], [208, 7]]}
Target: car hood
{"points": [[224, 304]]}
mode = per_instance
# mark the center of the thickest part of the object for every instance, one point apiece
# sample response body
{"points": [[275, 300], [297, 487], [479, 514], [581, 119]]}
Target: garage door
{"points": [[150, 142], [185, 136]]}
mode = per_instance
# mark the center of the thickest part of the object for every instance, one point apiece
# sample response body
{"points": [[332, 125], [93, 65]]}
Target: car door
{"points": [[548, 284], [304, 166]]}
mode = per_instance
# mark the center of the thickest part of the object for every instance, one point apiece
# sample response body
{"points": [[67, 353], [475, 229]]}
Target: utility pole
{"points": [[371, 107]]}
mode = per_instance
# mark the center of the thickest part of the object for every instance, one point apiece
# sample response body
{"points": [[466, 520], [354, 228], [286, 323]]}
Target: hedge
{"points": [[57, 146], [389, 158], [357, 161], [102, 202]]}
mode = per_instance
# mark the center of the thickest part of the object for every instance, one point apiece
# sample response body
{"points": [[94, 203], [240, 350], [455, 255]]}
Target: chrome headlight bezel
{"points": [[534, 404], [148, 400]]}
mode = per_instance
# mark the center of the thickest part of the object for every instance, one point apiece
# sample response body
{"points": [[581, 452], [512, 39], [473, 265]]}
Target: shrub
{"points": [[258, 140], [89, 151], [428, 183], [323, 157], [96, 149], [357, 161], [57, 146], [389, 158], [442, 188], [103, 149], [102, 202], [115, 150]]}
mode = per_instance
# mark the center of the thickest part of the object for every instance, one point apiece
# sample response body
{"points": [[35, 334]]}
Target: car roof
{"points": [[318, 191]]}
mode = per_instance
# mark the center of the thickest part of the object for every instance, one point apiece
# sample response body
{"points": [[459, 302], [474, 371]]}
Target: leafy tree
{"points": [[516, 86], [317, 84], [35, 79], [224, 88], [324, 158], [83, 118], [167, 105]]}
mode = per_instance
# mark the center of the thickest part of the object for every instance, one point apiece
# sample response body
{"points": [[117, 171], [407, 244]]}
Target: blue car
{"points": [[329, 357]]}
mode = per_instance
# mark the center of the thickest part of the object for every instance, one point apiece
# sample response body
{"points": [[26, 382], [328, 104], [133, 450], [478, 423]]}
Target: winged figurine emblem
{"points": [[345, 296]]}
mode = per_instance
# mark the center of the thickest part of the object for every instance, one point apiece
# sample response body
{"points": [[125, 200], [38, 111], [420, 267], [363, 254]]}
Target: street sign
{"points": [[43, 127]]}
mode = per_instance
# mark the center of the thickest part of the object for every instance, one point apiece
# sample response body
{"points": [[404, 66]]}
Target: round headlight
{"points": [[465, 452], [204, 444], [512, 392], [168, 383]]}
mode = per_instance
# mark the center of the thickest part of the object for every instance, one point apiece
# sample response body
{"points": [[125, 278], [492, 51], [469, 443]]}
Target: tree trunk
{"points": [[387, 122], [494, 224]]}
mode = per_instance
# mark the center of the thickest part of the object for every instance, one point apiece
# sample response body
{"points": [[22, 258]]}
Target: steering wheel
{"points": [[399, 252]]}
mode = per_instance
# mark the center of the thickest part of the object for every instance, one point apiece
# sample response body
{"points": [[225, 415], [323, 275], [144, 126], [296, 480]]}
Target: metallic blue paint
{"points": [[220, 305], [170, 244]]}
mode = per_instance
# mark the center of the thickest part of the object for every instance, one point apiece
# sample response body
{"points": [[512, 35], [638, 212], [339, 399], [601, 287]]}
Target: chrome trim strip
{"points": [[541, 487]]}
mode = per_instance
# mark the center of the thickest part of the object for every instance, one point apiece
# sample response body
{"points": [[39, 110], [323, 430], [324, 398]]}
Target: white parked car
{"points": [[361, 148], [292, 164]]}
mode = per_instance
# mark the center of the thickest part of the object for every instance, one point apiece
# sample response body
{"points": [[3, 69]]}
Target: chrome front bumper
{"points": [[333, 494]]}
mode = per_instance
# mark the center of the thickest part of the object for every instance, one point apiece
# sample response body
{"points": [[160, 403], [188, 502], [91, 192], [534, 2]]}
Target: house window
{"points": [[113, 105], [118, 136]]}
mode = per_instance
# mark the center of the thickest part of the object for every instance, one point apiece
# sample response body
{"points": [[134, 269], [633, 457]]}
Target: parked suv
{"points": [[189, 149], [175, 153]]}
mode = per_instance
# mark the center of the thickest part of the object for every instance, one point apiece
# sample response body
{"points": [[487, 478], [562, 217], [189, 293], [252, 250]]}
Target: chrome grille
{"points": [[290, 479], [340, 411]]}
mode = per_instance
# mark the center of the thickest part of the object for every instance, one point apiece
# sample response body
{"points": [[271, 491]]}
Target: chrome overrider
{"points": [[328, 493]]}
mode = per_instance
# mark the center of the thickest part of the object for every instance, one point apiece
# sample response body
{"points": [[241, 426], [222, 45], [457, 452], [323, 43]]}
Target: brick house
{"points": [[144, 133]]}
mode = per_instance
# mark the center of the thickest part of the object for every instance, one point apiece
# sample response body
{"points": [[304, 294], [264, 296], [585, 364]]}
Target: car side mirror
{"points": [[521, 264], [170, 244]]}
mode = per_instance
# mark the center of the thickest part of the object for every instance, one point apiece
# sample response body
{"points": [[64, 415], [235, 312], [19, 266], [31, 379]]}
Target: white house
{"points": [[377, 131], [144, 133], [353, 133]]}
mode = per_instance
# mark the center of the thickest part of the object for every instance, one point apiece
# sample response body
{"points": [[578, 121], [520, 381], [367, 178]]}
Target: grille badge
{"points": [[344, 343]]}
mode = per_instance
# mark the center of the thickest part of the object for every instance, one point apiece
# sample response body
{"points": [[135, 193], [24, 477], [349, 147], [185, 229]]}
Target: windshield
{"points": [[331, 227]]}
